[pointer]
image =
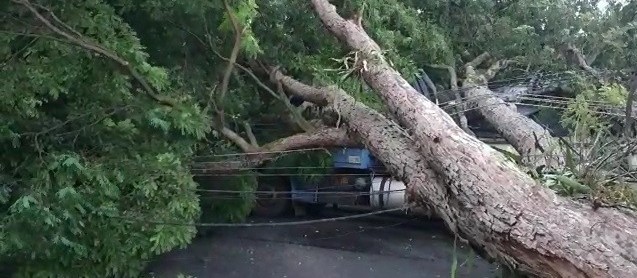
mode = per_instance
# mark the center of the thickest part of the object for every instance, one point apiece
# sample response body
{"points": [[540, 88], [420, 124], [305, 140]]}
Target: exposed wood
{"points": [[493, 204]]}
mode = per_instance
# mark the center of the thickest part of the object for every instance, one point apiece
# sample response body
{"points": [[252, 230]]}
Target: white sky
{"points": [[603, 4]]}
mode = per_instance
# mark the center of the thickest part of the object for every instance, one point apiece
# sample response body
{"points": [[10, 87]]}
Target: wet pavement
{"points": [[371, 247]]}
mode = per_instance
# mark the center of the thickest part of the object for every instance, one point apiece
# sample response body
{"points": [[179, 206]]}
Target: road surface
{"points": [[371, 247]]}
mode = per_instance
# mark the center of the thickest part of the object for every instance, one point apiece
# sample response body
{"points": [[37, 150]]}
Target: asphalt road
{"points": [[370, 248]]}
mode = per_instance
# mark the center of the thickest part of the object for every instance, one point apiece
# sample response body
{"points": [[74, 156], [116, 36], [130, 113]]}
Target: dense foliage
{"points": [[86, 139]]}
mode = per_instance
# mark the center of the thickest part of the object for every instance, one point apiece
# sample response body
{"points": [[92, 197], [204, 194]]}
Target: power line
{"points": [[548, 100], [266, 152], [274, 174], [264, 224], [296, 192], [558, 76]]}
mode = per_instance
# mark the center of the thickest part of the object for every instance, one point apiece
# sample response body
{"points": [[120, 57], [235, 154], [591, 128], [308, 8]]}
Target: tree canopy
{"points": [[107, 104]]}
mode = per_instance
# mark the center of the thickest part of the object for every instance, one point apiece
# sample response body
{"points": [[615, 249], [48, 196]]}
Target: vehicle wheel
{"points": [[273, 203]]}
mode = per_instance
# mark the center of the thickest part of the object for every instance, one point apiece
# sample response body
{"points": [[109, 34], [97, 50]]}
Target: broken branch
{"points": [[431, 85]]}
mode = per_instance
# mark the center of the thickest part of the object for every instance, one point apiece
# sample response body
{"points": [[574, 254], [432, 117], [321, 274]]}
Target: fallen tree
{"points": [[488, 201], [495, 228], [533, 142], [482, 196]]}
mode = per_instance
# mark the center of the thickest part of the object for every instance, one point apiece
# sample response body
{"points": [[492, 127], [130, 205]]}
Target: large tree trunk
{"points": [[496, 206], [383, 137]]}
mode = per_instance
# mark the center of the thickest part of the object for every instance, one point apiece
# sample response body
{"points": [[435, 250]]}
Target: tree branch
{"points": [[234, 54], [581, 60], [459, 106], [83, 42], [358, 16], [251, 137], [322, 138], [453, 77], [236, 139], [431, 85], [295, 114], [478, 60], [629, 106], [232, 62], [590, 59], [495, 68], [308, 93]]}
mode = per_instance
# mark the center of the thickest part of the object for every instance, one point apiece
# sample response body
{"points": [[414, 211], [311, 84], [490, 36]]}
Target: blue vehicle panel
{"points": [[354, 158]]}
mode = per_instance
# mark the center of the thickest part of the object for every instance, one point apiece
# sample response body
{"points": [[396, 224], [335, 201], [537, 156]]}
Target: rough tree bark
{"points": [[488, 200], [457, 104], [533, 142]]}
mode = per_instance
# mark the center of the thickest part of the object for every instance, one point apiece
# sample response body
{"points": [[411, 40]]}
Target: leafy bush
{"points": [[596, 155]]}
